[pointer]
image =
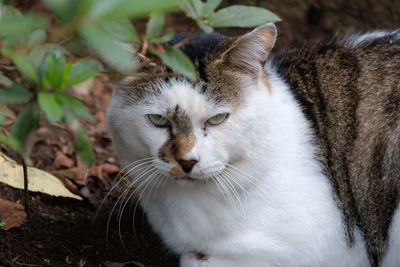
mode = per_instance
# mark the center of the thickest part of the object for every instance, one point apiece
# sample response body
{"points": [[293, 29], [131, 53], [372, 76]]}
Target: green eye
{"points": [[158, 120], [217, 119]]}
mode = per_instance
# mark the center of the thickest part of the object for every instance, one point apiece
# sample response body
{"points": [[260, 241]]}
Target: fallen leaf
{"points": [[11, 214], [11, 173], [100, 116], [75, 179], [120, 264], [83, 88], [109, 168], [105, 168], [62, 160]]}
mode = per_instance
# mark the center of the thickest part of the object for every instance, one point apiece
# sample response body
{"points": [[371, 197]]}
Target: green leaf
{"points": [[177, 61], [112, 52], [38, 53], [13, 25], [204, 27], [65, 10], [15, 94], [82, 70], [5, 81], [211, 5], [193, 8], [75, 105], [26, 121], [26, 67], [36, 38], [7, 113], [122, 30], [116, 9], [51, 106], [155, 25], [83, 147], [2, 118], [11, 142], [56, 70], [241, 16], [165, 38]]}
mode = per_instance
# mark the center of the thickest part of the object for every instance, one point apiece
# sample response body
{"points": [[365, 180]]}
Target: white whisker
{"points": [[123, 197], [116, 183], [146, 181]]}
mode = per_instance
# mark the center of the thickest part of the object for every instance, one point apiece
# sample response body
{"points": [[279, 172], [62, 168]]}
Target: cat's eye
{"points": [[217, 119], [158, 120]]}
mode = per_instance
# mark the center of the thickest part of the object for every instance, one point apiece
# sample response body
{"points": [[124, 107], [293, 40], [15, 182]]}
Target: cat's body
{"points": [[305, 169]]}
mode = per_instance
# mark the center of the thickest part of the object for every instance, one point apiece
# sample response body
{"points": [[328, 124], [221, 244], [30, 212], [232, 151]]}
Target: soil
{"points": [[68, 232]]}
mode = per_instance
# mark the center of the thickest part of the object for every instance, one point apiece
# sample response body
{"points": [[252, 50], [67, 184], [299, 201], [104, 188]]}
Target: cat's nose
{"points": [[187, 165]]}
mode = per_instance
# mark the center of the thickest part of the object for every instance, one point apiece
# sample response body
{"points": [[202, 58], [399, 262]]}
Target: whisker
{"points": [[217, 183], [147, 181], [119, 198], [116, 183], [233, 180], [140, 172], [237, 171], [153, 178], [157, 181], [231, 189], [226, 190]]}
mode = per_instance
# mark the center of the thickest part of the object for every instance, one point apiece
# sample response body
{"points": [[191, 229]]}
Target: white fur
{"points": [[357, 39], [285, 215], [392, 257]]}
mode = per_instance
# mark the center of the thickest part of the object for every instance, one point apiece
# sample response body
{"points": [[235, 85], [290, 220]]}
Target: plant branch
{"points": [[187, 39], [26, 191]]}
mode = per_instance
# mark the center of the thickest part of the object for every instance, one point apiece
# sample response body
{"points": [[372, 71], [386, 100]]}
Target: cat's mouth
{"points": [[186, 178]]}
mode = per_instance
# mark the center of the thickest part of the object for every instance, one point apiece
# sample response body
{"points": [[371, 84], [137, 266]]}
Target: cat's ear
{"points": [[249, 52]]}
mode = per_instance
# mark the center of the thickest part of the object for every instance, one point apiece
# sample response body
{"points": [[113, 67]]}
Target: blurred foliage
{"points": [[42, 55]]}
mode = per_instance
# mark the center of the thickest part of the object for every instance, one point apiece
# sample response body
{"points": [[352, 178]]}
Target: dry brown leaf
{"points": [[105, 168], [62, 161], [75, 179], [110, 168], [12, 214], [83, 88], [100, 116]]}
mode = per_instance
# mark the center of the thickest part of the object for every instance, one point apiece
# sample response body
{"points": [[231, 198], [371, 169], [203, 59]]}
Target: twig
{"points": [[15, 260], [186, 40], [26, 191], [8, 67], [145, 46]]}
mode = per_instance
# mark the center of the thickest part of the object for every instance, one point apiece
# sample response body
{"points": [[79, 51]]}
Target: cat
{"points": [[285, 160]]}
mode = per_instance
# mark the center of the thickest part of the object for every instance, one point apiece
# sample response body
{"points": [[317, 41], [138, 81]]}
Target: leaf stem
{"points": [[26, 191], [186, 40]]}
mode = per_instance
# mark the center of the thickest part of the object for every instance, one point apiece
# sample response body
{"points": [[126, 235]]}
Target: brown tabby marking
{"points": [[351, 95], [181, 140], [176, 171]]}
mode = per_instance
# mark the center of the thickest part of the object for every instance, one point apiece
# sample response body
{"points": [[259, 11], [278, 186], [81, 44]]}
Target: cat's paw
{"points": [[194, 259]]}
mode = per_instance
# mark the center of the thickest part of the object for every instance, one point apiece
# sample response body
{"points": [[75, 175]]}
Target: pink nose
{"points": [[187, 165]]}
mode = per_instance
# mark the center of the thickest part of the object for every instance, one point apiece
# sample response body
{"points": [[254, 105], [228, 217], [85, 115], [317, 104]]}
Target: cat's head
{"points": [[190, 131]]}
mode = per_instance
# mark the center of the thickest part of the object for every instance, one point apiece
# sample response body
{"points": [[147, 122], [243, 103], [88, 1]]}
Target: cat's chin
{"points": [[190, 179], [187, 178]]}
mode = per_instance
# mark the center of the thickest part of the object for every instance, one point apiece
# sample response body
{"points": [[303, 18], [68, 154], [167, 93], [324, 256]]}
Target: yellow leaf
{"points": [[12, 174]]}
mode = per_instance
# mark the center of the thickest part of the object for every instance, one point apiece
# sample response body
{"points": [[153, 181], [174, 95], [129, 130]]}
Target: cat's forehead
{"points": [[180, 98], [216, 81], [175, 91]]}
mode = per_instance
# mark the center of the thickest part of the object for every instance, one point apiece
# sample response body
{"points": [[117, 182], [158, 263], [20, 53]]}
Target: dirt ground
{"points": [[67, 232]]}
